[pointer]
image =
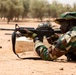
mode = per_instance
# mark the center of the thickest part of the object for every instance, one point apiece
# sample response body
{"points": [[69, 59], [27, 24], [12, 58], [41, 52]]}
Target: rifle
{"points": [[43, 31]]}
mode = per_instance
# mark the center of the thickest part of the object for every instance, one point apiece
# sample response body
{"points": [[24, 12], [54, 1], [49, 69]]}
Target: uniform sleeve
{"points": [[42, 50], [66, 41]]}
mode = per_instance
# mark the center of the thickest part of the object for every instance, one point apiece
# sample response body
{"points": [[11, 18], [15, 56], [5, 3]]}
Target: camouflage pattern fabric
{"points": [[65, 43], [68, 40]]}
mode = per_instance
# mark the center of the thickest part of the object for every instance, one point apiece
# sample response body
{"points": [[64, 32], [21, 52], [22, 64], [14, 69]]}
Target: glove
{"points": [[30, 34], [34, 36]]}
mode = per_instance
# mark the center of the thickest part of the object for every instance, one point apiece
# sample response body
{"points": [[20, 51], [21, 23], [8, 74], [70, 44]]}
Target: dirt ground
{"points": [[10, 64]]}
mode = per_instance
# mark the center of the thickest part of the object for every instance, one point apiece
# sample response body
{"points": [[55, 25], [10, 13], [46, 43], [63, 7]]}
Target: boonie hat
{"points": [[66, 16]]}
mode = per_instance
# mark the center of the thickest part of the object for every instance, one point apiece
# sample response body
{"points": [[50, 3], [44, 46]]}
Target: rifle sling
{"points": [[13, 47]]}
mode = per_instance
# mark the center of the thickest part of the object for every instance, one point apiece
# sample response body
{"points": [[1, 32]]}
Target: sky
{"points": [[65, 1]]}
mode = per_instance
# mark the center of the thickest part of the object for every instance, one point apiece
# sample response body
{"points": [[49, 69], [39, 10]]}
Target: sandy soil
{"points": [[10, 64]]}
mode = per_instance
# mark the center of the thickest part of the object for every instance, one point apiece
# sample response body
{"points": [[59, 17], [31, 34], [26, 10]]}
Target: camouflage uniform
{"points": [[64, 44]]}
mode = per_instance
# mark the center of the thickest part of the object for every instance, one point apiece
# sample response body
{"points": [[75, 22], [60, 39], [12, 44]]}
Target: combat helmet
{"points": [[66, 16], [46, 24]]}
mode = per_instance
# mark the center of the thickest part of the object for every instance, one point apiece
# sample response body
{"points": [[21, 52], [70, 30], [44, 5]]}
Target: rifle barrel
{"points": [[7, 29]]}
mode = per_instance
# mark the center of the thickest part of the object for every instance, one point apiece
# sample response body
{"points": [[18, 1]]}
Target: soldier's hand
{"points": [[30, 34], [52, 39]]}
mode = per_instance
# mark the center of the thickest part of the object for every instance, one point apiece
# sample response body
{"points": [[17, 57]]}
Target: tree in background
{"points": [[18, 9], [3, 9], [48, 13], [11, 9], [54, 9], [38, 8], [26, 4], [68, 8], [74, 6]]}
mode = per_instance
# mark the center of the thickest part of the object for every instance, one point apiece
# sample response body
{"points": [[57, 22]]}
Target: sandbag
{"points": [[24, 44]]}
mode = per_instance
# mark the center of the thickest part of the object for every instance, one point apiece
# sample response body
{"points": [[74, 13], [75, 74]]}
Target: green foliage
{"points": [[32, 8], [26, 4], [11, 8], [38, 8], [74, 7], [68, 8]]}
